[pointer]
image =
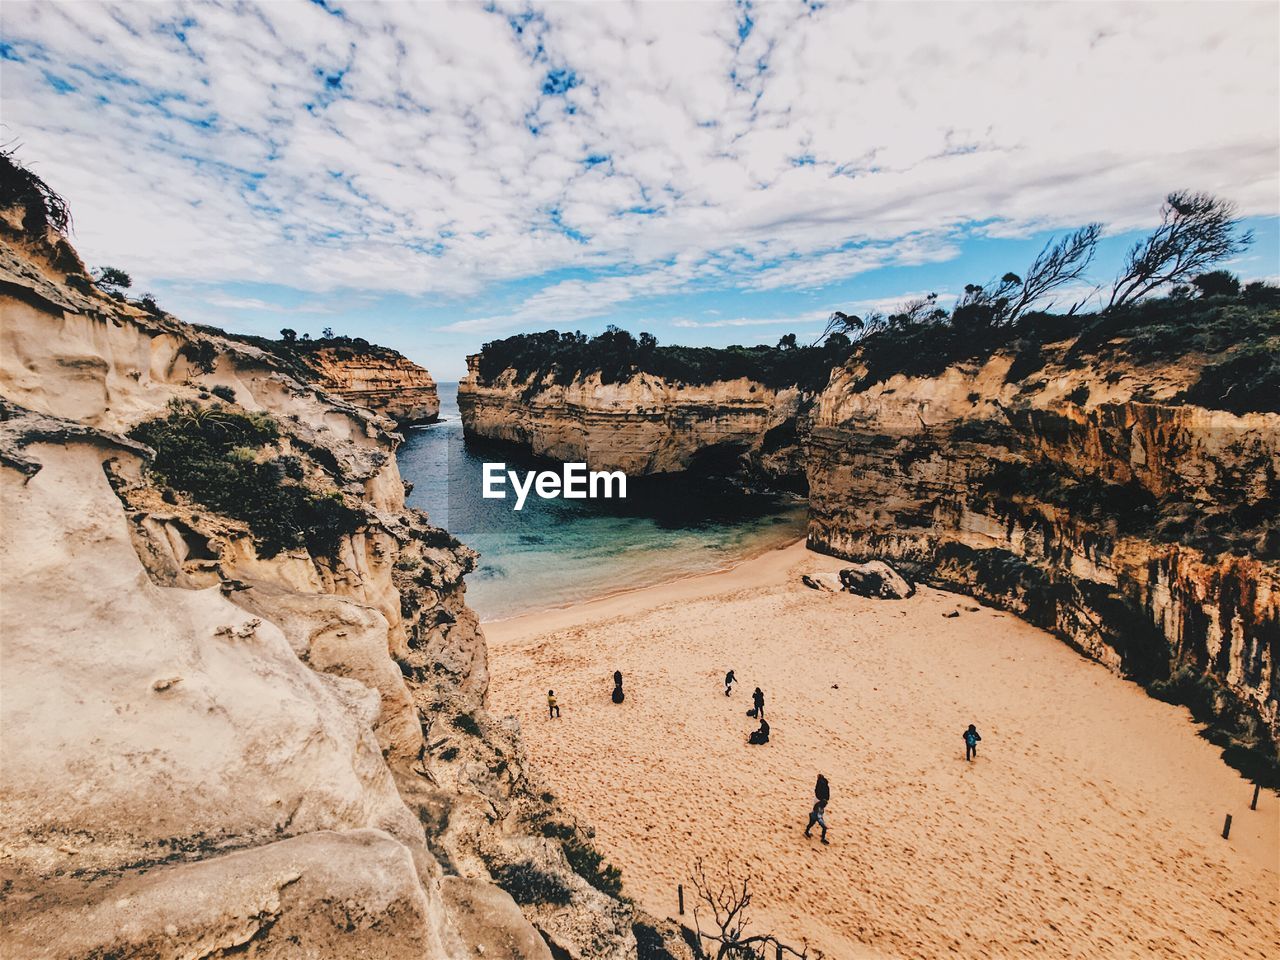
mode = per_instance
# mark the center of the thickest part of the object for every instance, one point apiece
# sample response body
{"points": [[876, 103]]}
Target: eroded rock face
{"points": [[1141, 531], [379, 379], [643, 426], [212, 748]]}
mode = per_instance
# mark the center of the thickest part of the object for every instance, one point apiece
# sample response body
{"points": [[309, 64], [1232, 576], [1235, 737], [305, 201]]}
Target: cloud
{"points": [[804, 320], [443, 149]]}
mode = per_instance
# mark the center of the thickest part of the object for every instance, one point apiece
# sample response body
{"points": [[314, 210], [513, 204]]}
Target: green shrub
{"points": [[590, 864], [467, 724], [528, 884], [617, 356], [203, 355], [224, 392], [649, 943], [1247, 382], [448, 754], [212, 454]]}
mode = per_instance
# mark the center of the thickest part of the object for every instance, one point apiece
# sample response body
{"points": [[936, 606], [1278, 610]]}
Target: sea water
{"points": [[557, 551]]}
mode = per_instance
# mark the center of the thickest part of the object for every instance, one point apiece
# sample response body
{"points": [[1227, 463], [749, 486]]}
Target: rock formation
{"points": [[643, 425], [223, 733], [1084, 495], [1113, 479], [377, 378], [875, 578]]}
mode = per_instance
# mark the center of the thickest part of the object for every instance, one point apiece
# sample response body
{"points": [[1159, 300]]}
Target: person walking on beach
{"points": [[822, 789], [618, 695], [818, 816], [757, 698], [553, 708], [971, 738], [729, 680]]}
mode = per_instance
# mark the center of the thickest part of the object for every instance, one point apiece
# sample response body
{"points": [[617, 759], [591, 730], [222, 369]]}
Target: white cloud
{"points": [[392, 147], [804, 320]]}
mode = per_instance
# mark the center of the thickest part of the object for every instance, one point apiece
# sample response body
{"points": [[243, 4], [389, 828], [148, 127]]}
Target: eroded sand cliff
{"points": [[644, 425], [379, 379], [1083, 495], [212, 747]]}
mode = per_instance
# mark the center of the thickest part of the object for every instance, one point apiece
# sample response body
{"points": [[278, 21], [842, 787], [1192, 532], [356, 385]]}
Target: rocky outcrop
{"points": [[644, 425], [212, 745], [378, 379], [1085, 497], [875, 578]]}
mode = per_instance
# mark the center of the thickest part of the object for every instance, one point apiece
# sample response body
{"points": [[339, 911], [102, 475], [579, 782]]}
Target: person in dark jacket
{"points": [[729, 681], [822, 789], [761, 735], [618, 695], [757, 698], [971, 738]]}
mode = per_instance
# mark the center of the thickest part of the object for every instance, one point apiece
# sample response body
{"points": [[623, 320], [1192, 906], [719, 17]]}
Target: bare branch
{"points": [[727, 896], [1058, 264], [1196, 231]]}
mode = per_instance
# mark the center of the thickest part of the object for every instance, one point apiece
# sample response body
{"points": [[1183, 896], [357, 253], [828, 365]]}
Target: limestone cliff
{"points": [[233, 726], [1083, 494], [643, 425], [376, 378]]}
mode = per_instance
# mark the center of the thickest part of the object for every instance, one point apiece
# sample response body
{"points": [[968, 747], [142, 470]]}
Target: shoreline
{"points": [[626, 591], [1037, 843]]}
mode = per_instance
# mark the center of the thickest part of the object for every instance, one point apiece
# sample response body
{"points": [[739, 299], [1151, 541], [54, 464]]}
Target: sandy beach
{"points": [[1089, 826]]}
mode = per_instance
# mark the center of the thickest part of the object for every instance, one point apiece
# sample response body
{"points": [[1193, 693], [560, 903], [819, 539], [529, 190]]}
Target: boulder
{"points": [[823, 581], [875, 578]]}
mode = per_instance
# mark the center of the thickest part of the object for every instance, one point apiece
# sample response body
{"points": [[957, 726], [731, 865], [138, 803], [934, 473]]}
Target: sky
{"points": [[431, 176]]}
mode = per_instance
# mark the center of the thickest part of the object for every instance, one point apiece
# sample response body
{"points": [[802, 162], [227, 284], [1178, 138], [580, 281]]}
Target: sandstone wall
{"points": [[208, 750], [643, 426], [1141, 531], [380, 380]]}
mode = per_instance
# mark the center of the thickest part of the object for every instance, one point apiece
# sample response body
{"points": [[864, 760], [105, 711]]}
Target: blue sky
{"points": [[431, 176]]}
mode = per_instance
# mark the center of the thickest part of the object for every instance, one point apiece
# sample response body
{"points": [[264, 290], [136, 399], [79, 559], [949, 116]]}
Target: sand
{"points": [[1090, 824]]}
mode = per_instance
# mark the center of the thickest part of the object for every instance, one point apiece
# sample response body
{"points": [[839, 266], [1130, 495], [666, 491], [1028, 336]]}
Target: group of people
{"points": [[821, 789], [553, 705], [761, 734]]}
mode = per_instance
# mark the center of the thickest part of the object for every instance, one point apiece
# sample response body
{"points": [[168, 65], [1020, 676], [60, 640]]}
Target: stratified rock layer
{"points": [[1080, 516], [379, 379], [644, 425]]}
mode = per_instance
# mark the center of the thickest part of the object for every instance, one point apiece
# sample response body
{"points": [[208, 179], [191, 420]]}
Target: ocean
{"points": [[556, 552]]}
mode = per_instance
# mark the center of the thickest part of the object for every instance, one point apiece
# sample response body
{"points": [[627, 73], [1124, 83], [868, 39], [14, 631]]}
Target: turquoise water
{"points": [[555, 552]]}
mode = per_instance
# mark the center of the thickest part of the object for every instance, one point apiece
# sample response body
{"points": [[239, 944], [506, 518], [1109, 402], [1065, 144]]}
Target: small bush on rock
{"points": [[528, 884], [217, 457]]}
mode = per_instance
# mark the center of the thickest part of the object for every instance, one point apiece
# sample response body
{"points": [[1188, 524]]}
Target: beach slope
{"points": [[1089, 826]]}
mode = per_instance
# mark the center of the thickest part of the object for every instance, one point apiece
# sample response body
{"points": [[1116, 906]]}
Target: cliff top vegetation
{"points": [[1239, 331], [1234, 328], [618, 356]]}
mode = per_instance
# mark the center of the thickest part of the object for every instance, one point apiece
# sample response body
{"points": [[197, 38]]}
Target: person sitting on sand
{"points": [[762, 735], [618, 695], [758, 699], [817, 816], [822, 789], [553, 709], [971, 738], [729, 680]]}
